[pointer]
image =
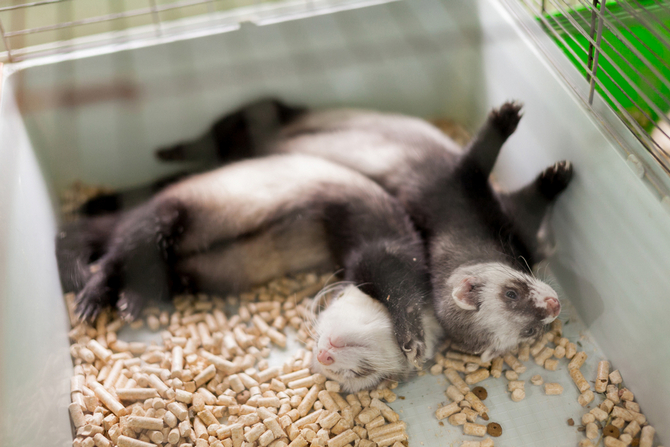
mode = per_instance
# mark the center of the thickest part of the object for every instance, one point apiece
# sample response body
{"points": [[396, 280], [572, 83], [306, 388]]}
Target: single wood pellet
{"points": [[585, 398], [511, 375], [458, 419], [579, 380], [599, 414], [477, 376], [472, 429], [615, 377], [626, 439], [456, 380], [544, 355], [518, 395], [647, 436], [591, 430], [496, 367], [609, 441], [602, 376], [454, 394], [553, 389], [514, 363]]}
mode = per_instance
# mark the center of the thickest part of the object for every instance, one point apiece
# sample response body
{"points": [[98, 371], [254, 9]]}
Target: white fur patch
{"points": [[364, 332]]}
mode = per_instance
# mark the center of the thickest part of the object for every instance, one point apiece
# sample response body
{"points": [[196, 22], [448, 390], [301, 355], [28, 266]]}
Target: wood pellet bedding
{"points": [[210, 368], [209, 382]]}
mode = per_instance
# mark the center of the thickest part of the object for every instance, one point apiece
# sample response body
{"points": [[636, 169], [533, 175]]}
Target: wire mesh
{"points": [[622, 49], [31, 29]]}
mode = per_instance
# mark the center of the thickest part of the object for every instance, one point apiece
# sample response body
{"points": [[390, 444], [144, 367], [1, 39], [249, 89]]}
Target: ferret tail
{"points": [[78, 245]]}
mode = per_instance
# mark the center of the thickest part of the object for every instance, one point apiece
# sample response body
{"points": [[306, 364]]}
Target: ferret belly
{"points": [[293, 245]]}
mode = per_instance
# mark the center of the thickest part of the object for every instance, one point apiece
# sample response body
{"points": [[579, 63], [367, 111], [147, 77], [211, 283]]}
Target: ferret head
{"points": [[490, 308], [355, 344]]}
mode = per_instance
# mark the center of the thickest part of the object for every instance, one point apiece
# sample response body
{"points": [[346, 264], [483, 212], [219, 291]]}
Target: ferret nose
{"points": [[325, 358], [553, 306]]}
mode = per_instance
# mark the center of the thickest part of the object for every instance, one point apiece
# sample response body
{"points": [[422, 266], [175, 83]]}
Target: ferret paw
{"points": [[130, 305], [506, 118], [93, 297], [414, 350], [553, 180]]}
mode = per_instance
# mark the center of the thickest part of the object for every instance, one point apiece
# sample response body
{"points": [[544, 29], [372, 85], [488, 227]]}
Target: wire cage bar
{"points": [[38, 28], [622, 50]]}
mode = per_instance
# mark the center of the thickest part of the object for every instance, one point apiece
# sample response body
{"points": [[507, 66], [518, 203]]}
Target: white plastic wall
{"points": [[35, 368], [99, 118]]}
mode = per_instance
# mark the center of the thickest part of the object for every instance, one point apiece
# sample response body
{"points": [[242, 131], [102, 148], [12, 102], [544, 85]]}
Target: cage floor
{"points": [[538, 420]]}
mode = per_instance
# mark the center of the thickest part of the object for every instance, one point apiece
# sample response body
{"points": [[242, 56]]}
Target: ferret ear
{"points": [[464, 294]]}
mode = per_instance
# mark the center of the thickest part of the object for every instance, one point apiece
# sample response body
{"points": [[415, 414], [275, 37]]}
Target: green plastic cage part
{"points": [[626, 43]]}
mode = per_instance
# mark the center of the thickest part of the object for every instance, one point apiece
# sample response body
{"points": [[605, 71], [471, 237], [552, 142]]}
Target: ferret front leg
{"points": [[381, 253], [400, 283]]}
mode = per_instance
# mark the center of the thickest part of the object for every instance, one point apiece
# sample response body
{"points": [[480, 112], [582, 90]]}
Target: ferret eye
{"points": [[511, 294], [530, 332]]}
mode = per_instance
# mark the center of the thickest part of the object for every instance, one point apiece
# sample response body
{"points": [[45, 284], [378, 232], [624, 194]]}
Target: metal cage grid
{"points": [[622, 50], [32, 29]]}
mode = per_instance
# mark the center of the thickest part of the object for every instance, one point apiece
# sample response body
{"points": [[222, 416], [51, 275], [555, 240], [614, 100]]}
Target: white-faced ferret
{"points": [[248, 222], [480, 244], [355, 341]]}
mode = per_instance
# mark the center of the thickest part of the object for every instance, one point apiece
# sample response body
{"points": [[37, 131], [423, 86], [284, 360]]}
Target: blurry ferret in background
{"points": [[248, 222], [481, 244]]}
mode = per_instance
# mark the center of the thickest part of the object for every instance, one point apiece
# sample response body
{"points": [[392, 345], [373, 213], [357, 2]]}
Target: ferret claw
{"points": [[414, 351], [129, 305], [92, 298]]}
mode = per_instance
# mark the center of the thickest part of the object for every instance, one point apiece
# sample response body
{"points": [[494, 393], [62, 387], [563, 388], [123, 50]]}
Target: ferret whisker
{"points": [[333, 275], [530, 270], [317, 303]]}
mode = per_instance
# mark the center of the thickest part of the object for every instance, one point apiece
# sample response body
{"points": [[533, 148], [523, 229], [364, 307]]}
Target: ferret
{"points": [[244, 224], [480, 244], [355, 343], [227, 140]]}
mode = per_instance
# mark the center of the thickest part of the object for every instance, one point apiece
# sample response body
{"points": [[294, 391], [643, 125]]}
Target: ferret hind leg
{"points": [[481, 153], [137, 253]]}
